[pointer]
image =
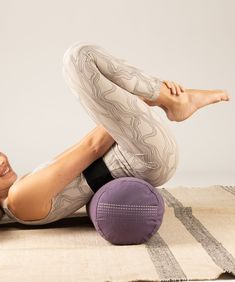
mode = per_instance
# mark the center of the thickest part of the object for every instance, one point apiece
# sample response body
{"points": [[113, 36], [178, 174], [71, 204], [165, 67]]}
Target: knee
{"points": [[76, 51], [76, 66]]}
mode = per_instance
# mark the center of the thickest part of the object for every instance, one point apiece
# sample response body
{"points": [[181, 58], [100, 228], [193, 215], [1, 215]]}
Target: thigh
{"points": [[122, 163], [138, 129]]}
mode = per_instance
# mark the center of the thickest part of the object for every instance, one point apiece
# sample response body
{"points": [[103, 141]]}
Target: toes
{"points": [[226, 98]]}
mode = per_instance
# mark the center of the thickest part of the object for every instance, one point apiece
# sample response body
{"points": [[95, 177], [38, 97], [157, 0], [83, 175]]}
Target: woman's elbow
{"points": [[22, 208], [12, 202]]}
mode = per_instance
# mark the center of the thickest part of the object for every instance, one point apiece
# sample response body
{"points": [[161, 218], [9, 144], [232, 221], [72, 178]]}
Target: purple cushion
{"points": [[126, 210]]}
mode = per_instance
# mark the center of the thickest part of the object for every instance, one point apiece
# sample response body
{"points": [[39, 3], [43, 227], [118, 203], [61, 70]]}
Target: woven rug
{"points": [[196, 241]]}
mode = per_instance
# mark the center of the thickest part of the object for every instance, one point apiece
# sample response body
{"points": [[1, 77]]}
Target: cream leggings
{"points": [[108, 88]]}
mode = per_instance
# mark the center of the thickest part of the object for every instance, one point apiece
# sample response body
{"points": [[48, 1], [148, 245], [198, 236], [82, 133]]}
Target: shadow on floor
{"points": [[65, 222]]}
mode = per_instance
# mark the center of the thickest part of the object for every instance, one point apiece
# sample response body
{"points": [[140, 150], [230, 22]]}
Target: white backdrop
{"points": [[190, 42]]}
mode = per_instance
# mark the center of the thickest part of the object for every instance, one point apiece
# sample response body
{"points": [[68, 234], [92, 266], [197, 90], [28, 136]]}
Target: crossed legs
{"points": [[108, 88], [118, 96]]}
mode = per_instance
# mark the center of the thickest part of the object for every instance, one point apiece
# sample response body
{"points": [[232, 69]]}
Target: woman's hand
{"points": [[176, 89]]}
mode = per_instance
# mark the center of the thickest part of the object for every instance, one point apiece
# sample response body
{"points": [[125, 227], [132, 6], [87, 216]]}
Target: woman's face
{"points": [[7, 175]]}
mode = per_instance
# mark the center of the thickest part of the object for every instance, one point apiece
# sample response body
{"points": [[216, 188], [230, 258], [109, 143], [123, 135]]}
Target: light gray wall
{"points": [[191, 42]]}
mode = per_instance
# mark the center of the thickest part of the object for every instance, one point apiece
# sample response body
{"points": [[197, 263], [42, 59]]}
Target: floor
{"points": [[203, 179]]}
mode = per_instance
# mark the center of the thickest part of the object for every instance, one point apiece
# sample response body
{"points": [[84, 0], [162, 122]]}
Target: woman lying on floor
{"points": [[130, 136]]}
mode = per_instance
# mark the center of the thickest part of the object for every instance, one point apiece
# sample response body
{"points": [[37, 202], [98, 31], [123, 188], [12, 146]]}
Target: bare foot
{"points": [[192, 100], [179, 108]]}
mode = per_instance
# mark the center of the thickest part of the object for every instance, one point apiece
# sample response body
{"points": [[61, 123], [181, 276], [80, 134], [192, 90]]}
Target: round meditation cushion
{"points": [[126, 211]]}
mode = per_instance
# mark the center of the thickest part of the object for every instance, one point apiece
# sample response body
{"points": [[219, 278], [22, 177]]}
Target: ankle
{"points": [[166, 100]]}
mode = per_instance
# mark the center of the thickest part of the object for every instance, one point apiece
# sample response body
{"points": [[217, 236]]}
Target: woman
{"points": [[130, 136]]}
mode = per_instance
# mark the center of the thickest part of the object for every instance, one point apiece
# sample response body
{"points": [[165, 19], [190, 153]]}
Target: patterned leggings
{"points": [[108, 88]]}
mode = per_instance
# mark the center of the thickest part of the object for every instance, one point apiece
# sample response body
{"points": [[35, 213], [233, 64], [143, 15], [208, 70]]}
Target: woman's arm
{"points": [[31, 196], [102, 142]]}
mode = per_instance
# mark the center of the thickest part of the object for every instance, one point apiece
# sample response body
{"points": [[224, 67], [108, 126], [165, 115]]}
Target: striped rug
{"points": [[196, 241]]}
